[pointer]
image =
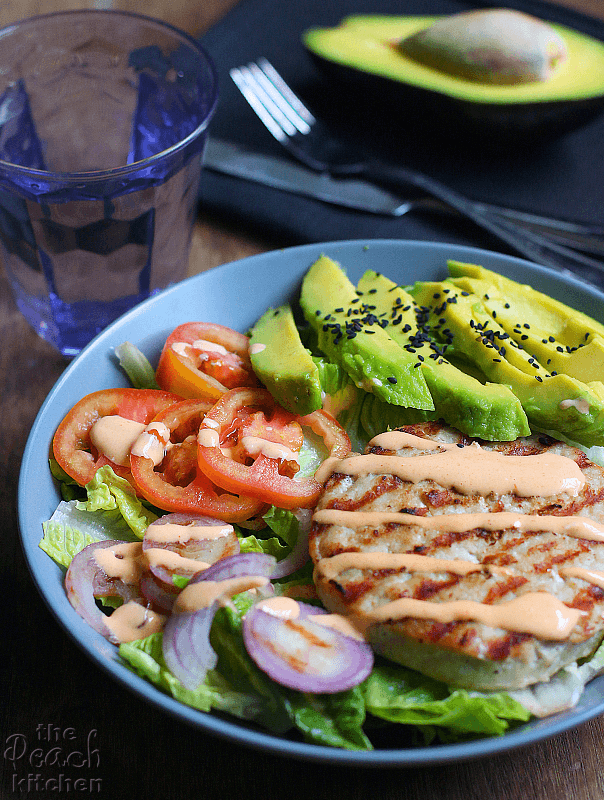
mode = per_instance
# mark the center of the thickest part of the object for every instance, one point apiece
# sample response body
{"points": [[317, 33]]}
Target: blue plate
{"points": [[236, 295]]}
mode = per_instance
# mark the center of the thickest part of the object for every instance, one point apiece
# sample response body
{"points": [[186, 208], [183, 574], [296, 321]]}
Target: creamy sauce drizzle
{"points": [[160, 557], [113, 436], [152, 443], [124, 561], [207, 437], [286, 608], [184, 348], [579, 527], [200, 595], [256, 446], [588, 575], [470, 470], [258, 347], [331, 568], [132, 621], [537, 613], [580, 404], [179, 534]]}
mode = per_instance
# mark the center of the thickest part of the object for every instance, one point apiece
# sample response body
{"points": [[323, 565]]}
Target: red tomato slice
{"points": [[72, 447], [203, 359], [177, 485], [261, 465]]}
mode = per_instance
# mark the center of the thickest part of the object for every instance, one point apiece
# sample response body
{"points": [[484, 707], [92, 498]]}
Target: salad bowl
{"points": [[236, 295]]}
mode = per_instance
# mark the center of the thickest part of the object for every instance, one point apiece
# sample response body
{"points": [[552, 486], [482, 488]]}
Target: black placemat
{"points": [[563, 178]]}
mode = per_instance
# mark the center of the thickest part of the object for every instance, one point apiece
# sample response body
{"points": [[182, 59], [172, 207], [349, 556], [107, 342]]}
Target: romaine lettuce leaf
{"points": [[146, 658], [71, 528], [136, 366], [397, 694], [108, 492], [237, 686], [333, 720]]}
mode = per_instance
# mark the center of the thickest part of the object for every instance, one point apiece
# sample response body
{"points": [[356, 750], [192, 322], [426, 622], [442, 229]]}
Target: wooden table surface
{"points": [[142, 752]]}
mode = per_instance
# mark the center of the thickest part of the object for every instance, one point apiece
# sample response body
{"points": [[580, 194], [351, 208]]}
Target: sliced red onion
{"points": [[299, 554], [186, 642], [303, 654], [156, 592], [197, 548], [186, 645], [237, 566], [85, 580]]}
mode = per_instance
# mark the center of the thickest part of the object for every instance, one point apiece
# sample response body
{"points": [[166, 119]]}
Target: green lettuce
{"points": [[108, 492], [110, 510], [237, 686], [71, 528], [397, 694], [136, 365]]}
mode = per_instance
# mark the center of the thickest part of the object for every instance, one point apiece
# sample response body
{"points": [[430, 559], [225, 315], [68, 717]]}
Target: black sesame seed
{"points": [[391, 379]]}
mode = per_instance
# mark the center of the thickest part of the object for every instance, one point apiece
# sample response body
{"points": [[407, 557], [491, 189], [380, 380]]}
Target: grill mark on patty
{"points": [[532, 556], [502, 648], [501, 589]]}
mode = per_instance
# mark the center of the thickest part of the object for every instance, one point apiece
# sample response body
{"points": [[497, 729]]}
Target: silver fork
{"points": [[306, 138]]}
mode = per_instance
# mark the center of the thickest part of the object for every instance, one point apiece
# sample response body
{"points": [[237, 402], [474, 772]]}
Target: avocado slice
{"points": [[487, 411], [282, 362], [557, 403], [559, 337], [351, 335], [363, 54]]}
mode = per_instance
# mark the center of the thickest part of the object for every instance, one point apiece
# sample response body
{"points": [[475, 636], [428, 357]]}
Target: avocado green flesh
{"points": [[557, 403], [366, 44], [368, 355], [283, 364], [561, 338], [486, 411]]}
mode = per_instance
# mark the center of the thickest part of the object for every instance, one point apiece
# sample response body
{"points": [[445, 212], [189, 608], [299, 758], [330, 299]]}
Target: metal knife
{"points": [[280, 173]]}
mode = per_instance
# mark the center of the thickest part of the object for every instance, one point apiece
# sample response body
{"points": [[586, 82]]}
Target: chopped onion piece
{"points": [[303, 654]]}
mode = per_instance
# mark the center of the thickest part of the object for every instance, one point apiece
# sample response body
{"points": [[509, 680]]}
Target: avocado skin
{"points": [[486, 411], [485, 343], [524, 122], [349, 335], [284, 366]]}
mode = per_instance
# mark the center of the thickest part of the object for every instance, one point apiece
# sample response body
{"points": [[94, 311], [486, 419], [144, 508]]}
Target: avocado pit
{"points": [[497, 46]]}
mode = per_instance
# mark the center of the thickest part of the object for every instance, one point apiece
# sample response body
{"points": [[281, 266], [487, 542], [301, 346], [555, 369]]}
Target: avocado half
{"points": [[361, 51]]}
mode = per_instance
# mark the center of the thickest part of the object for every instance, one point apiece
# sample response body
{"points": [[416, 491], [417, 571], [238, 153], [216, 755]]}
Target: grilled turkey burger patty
{"points": [[539, 570]]}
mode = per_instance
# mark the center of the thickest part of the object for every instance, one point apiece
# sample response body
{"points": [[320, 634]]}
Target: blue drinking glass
{"points": [[104, 117]]}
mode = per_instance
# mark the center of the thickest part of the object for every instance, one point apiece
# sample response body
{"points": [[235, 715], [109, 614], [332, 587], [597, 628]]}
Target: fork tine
{"points": [[286, 90], [275, 95], [248, 87], [280, 110]]}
